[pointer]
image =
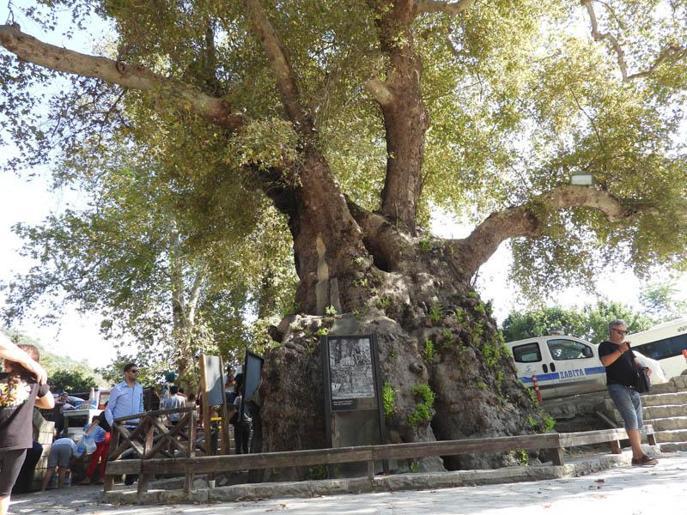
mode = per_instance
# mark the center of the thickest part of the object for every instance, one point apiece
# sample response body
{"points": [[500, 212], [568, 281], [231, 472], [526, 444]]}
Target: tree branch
{"points": [[600, 36], [670, 53], [436, 6], [379, 90], [470, 253], [276, 54], [405, 116], [194, 294], [390, 247], [32, 50]]}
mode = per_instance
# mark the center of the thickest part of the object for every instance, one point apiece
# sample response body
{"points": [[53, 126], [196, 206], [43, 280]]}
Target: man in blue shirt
{"points": [[126, 398]]}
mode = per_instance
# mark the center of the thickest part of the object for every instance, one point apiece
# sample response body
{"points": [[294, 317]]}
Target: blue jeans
{"points": [[628, 403]]}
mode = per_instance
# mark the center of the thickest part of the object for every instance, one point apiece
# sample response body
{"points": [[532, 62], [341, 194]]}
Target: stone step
{"points": [[667, 424], [664, 398], [670, 410], [676, 384], [673, 446], [673, 435]]}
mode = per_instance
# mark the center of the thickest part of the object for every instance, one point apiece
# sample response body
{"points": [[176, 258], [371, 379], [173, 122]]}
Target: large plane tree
{"points": [[356, 119]]}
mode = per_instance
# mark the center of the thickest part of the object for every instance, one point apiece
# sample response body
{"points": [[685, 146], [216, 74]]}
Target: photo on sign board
{"points": [[350, 365]]}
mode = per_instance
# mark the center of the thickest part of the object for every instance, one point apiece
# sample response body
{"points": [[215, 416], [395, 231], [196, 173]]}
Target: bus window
{"points": [[663, 349]]}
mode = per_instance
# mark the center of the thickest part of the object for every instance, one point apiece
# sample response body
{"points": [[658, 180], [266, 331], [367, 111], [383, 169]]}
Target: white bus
{"points": [[666, 343]]}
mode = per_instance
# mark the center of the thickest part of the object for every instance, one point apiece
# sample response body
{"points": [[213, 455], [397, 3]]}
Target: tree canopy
{"points": [[160, 282], [510, 99], [590, 322]]}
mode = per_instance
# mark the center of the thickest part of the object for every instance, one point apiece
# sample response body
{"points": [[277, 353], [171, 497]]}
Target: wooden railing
{"points": [[151, 438], [555, 442]]}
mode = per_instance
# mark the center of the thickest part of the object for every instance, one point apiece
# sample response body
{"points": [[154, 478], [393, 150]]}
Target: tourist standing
{"points": [[174, 401], [22, 386], [621, 368], [126, 398]]}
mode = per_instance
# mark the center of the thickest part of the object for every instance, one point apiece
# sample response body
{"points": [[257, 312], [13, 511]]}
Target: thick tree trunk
{"points": [[432, 330]]}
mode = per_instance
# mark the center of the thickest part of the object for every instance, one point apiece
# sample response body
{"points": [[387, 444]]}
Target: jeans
{"points": [[628, 403]]}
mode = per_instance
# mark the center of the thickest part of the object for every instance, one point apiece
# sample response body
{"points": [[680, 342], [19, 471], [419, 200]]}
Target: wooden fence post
{"points": [[108, 480], [144, 478], [557, 456], [188, 480]]}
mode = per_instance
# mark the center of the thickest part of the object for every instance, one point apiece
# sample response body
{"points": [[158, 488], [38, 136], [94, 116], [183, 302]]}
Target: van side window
{"points": [[528, 353], [568, 349]]}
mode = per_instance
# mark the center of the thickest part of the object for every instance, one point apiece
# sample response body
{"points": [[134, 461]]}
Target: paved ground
{"points": [[661, 490]]}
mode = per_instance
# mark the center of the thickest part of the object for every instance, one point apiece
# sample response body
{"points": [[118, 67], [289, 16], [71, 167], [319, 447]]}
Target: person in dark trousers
{"points": [[241, 420], [619, 361], [24, 483], [22, 386]]}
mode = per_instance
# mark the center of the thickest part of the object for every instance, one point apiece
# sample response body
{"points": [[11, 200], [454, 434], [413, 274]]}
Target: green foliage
{"points": [[424, 408], [158, 270], [389, 399], [330, 311], [522, 456], [428, 350], [323, 331], [542, 423], [384, 302], [590, 322], [461, 316], [661, 302], [264, 144], [493, 353], [71, 381], [548, 423], [425, 244], [435, 313]]}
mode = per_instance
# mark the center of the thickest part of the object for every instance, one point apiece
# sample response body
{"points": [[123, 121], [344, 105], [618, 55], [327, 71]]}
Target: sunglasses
{"points": [[135, 371], [620, 331]]}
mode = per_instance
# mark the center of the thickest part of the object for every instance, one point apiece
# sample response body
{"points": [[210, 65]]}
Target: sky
{"points": [[77, 335], [24, 200]]}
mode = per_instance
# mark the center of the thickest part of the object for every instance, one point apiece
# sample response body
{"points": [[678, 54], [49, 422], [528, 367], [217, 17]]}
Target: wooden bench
{"points": [[555, 442]]}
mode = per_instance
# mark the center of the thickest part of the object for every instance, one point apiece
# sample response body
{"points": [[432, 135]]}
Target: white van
{"points": [[562, 365]]}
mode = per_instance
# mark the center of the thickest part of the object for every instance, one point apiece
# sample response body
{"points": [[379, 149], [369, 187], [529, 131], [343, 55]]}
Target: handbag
{"points": [[642, 381]]}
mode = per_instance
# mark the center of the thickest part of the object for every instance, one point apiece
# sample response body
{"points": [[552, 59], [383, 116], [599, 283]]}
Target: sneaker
{"points": [[644, 461]]}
